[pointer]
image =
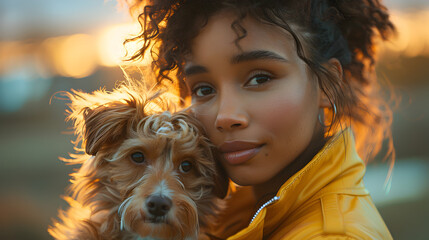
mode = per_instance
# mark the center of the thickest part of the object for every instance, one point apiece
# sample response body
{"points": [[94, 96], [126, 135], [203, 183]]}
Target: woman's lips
{"points": [[238, 152]]}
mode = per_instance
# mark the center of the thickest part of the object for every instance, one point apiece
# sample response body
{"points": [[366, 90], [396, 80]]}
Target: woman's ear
{"points": [[333, 65]]}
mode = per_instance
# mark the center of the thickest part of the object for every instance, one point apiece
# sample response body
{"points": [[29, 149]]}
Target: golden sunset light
{"points": [[412, 34], [111, 50], [49, 48], [72, 56]]}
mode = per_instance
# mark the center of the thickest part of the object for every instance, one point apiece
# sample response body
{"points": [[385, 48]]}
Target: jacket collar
{"points": [[337, 168]]}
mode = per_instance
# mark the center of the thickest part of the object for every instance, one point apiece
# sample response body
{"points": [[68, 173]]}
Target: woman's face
{"points": [[259, 104]]}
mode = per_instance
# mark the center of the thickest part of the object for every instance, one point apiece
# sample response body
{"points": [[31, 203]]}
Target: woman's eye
{"points": [[203, 91], [258, 80], [137, 157], [185, 166]]}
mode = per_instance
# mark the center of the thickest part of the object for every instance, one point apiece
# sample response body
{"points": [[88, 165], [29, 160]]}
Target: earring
{"points": [[335, 113]]}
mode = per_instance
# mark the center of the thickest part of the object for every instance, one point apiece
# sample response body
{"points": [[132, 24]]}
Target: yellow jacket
{"points": [[324, 200]]}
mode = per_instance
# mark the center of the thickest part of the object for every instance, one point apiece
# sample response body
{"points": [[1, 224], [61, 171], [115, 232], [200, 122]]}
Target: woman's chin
{"points": [[246, 178]]}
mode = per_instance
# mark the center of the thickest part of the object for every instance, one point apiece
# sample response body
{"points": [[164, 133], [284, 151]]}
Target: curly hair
{"points": [[321, 29]]}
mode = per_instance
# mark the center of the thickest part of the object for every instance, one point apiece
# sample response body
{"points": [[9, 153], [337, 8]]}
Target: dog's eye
{"points": [[185, 166], [137, 157]]}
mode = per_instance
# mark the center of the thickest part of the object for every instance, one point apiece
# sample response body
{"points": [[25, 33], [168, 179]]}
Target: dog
{"points": [[145, 173]]}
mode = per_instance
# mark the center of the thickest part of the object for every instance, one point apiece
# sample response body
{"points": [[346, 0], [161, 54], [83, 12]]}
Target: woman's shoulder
{"points": [[335, 216]]}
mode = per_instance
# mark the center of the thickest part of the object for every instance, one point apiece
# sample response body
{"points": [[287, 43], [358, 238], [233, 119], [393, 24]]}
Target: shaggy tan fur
{"points": [[108, 192]]}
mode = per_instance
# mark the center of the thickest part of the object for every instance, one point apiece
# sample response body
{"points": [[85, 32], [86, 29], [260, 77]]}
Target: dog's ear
{"points": [[105, 125]]}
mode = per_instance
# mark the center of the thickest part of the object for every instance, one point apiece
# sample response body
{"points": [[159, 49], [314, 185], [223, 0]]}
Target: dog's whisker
{"points": [[177, 178], [138, 182], [126, 201], [118, 155], [122, 210], [199, 194], [202, 192]]}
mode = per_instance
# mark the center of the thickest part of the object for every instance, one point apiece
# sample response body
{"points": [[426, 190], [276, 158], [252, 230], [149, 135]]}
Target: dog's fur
{"points": [[109, 193]]}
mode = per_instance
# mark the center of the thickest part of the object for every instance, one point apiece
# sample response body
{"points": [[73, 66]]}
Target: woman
{"points": [[286, 92]]}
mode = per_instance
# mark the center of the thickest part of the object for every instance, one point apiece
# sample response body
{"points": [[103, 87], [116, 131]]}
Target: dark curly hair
{"points": [[321, 29]]}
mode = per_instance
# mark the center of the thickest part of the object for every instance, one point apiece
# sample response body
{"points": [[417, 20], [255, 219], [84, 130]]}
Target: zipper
{"points": [[263, 206]]}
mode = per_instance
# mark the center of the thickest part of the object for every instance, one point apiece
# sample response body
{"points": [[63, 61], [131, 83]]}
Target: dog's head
{"points": [[157, 170]]}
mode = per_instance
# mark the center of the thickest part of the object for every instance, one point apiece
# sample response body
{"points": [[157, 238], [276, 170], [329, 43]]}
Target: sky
{"points": [[20, 19]]}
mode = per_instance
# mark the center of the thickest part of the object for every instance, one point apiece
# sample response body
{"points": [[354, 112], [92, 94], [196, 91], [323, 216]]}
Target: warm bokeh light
{"points": [[8, 55], [78, 55], [112, 51], [73, 56], [412, 34]]}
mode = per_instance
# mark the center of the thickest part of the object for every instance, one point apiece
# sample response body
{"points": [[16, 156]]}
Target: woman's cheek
{"points": [[279, 112]]}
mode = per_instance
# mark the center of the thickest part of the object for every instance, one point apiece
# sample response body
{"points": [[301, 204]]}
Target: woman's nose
{"points": [[231, 116]]}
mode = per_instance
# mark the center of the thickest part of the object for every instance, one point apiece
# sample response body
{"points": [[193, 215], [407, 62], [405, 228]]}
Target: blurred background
{"points": [[48, 46]]}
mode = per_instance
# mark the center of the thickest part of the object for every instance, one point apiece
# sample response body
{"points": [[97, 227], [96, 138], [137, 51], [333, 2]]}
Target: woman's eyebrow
{"points": [[195, 69], [242, 57], [257, 55]]}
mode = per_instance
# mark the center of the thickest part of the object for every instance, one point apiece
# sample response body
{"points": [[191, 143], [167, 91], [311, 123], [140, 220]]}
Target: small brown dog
{"points": [[145, 174]]}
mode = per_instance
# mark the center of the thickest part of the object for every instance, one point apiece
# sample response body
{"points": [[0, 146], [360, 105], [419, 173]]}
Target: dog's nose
{"points": [[158, 205]]}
